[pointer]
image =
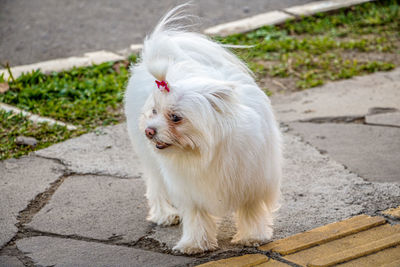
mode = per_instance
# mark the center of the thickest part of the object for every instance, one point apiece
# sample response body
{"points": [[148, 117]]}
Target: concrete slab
{"points": [[97, 207], [249, 24], [322, 6], [388, 119], [370, 151], [9, 261], [317, 190], [35, 118], [62, 64], [20, 181], [352, 97], [48, 251], [106, 151]]}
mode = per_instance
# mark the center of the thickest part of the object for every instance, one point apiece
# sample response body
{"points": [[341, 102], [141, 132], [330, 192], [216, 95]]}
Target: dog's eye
{"points": [[154, 111], [175, 118]]}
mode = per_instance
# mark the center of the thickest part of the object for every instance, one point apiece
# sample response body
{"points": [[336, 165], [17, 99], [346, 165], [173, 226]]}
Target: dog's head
{"points": [[192, 113]]}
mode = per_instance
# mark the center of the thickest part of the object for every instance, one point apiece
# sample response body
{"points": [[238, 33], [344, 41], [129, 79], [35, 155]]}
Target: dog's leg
{"points": [[199, 232], [161, 210], [253, 222]]}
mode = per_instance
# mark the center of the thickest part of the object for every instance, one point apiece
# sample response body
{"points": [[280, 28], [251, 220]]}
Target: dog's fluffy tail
{"points": [[171, 41]]}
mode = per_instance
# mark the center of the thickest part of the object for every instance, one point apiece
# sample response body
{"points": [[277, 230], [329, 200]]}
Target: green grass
{"points": [[14, 125], [294, 56], [325, 47], [86, 96]]}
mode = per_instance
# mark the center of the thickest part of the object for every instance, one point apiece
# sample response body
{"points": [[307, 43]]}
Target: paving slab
{"points": [[384, 119], [370, 151], [367, 239], [49, 251], [10, 261], [20, 181], [106, 151], [97, 207], [318, 190], [353, 97]]}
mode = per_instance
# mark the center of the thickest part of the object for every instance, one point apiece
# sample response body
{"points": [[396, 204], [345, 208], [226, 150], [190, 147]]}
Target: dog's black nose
{"points": [[150, 132]]}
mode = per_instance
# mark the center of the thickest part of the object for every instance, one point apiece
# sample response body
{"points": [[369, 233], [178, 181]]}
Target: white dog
{"points": [[206, 136]]}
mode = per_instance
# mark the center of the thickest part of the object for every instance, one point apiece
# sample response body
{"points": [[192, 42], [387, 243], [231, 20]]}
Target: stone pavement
{"points": [[81, 203]]}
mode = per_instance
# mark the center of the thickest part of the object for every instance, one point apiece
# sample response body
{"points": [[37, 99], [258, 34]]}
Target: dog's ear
{"points": [[221, 97]]}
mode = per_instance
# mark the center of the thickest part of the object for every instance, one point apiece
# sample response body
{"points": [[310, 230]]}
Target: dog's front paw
{"points": [[164, 219], [248, 242], [254, 239], [196, 247]]}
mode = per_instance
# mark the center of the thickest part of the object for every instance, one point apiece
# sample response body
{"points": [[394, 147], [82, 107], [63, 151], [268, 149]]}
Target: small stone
{"points": [[28, 141], [246, 9], [4, 87]]}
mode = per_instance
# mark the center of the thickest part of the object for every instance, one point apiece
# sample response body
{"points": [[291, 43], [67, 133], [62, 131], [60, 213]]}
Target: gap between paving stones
{"points": [[70, 172], [100, 174], [26, 215], [35, 205], [39, 201], [346, 120], [144, 242]]}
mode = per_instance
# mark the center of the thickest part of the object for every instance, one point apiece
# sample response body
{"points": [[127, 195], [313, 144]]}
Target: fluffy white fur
{"points": [[223, 155]]}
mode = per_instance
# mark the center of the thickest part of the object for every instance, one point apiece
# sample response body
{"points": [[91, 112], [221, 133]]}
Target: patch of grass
{"points": [[13, 125], [313, 50], [86, 96]]}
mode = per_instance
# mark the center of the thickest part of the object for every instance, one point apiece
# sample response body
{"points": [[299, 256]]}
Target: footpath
{"points": [[81, 202]]}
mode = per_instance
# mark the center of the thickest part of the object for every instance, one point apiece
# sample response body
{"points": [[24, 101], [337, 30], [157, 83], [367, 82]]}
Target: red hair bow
{"points": [[163, 85]]}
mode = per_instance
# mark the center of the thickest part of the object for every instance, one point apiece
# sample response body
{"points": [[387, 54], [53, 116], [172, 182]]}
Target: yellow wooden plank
{"points": [[395, 263], [249, 260], [395, 212], [356, 252], [388, 258], [305, 256], [323, 234]]}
